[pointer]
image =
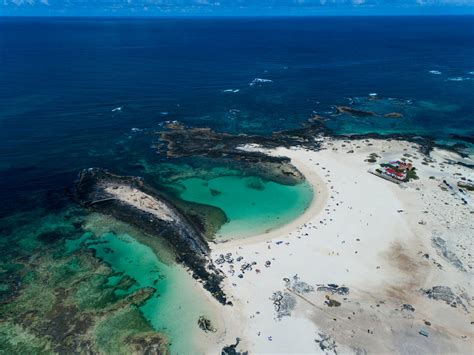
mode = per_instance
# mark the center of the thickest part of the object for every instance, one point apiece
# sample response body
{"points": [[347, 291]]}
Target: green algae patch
{"points": [[15, 339], [95, 294], [125, 327]]}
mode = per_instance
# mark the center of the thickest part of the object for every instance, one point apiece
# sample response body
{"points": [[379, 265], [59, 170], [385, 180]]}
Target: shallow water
{"points": [[174, 308], [252, 205]]}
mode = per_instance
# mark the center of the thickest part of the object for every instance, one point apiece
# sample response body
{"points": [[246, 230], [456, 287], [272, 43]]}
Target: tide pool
{"points": [[252, 205]]}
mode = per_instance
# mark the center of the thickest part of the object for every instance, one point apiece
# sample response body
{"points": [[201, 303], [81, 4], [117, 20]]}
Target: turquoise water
{"points": [[174, 308], [74, 244], [252, 205]]}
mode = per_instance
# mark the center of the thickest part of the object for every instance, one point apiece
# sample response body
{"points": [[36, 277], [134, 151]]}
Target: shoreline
{"points": [[320, 196], [371, 266]]}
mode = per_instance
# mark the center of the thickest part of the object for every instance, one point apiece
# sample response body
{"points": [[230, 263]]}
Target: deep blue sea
{"points": [[62, 78]]}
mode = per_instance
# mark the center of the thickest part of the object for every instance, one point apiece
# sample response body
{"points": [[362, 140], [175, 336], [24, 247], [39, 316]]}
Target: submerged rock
{"points": [[51, 237], [150, 344], [469, 139], [354, 112], [393, 115]]}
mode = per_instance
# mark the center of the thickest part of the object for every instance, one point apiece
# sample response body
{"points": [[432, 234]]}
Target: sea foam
{"points": [[260, 81], [458, 78]]}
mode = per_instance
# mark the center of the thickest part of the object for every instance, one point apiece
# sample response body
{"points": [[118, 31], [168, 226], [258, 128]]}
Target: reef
{"points": [[129, 199], [468, 139], [181, 141], [393, 115], [354, 112], [62, 302]]}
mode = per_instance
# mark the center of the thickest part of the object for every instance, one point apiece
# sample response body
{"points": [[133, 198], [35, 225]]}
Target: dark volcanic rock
{"points": [[354, 112], [189, 245], [334, 289], [205, 324], [469, 139], [232, 349], [185, 142]]}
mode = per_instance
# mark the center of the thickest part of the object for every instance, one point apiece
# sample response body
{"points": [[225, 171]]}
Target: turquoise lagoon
{"points": [[252, 205]]}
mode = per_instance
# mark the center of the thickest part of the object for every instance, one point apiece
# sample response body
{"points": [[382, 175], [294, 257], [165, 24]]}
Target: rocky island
{"points": [[131, 200]]}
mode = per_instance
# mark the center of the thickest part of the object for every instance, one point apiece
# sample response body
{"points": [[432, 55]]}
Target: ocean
{"points": [[90, 92], [61, 79]]}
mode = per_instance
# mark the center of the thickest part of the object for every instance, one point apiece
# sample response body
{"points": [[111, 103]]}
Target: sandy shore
{"points": [[317, 204], [390, 246]]}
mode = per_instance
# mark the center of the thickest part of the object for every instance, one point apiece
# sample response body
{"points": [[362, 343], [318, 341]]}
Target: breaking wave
{"points": [[257, 81]]}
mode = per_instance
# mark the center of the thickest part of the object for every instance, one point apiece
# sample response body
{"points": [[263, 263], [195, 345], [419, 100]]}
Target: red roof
{"points": [[396, 173]]}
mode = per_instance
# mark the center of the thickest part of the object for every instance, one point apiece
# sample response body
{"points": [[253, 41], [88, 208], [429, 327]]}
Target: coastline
{"points": [[367, 235], [320, 196], [180, 301], [244, 116]]}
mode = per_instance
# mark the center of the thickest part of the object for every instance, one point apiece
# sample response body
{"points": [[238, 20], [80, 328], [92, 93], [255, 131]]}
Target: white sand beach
{"points": [[355, 273]]}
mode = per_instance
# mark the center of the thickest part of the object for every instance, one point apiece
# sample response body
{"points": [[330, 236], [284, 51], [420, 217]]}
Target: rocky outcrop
{"points": [[181, 141], [354, 112], [442, 248], [446, 294], [129, 199]]}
